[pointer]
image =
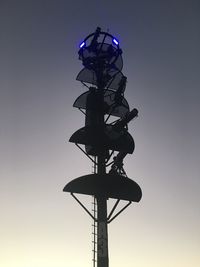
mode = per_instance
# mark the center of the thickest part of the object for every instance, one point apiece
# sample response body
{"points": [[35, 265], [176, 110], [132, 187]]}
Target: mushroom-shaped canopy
{"points": [[106, 185], [109, 139]]}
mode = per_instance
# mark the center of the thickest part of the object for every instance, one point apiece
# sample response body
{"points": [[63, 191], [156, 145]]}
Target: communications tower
{"points": [[105, 133]]}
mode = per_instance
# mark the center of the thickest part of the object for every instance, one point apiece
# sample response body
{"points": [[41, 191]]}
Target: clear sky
{"points": [[40, 226]]}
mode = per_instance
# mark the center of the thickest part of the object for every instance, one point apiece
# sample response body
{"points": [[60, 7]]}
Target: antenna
{"points": [[101, 57]]}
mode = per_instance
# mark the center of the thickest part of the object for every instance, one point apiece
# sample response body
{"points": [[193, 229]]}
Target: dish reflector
{"points": [[109, 99]]}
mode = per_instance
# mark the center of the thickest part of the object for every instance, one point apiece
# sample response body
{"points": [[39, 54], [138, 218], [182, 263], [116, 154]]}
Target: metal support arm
{"points": [[84, 207], [110, 220]]}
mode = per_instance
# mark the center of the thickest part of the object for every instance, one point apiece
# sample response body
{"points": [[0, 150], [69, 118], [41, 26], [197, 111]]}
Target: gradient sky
{"points": [[40, 226]]}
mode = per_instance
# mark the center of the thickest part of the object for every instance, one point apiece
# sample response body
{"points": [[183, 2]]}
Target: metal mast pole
{"points": [[102, 229]]}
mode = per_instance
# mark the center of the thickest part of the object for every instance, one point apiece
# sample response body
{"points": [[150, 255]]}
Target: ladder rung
{"points": [[94, 225]]}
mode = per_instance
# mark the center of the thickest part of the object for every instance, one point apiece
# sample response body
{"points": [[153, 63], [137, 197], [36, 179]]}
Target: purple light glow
{"points": [[82, 44], [115, 41]]}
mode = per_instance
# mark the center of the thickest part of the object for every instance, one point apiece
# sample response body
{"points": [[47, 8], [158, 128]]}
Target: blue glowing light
{"points": [[115, 41], [82, 44]]}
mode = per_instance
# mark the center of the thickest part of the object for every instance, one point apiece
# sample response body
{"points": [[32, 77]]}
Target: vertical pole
{"points": [[102, 227]]}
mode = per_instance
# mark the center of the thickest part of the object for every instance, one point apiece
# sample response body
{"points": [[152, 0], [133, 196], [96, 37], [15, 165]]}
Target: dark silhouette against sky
{"points": [[40, 225]]}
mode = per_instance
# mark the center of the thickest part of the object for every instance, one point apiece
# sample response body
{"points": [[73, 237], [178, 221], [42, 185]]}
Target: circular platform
{"points": [[109, 186]]}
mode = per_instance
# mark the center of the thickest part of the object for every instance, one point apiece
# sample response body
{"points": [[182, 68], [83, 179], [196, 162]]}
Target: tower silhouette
{"points": [[103, 135]]}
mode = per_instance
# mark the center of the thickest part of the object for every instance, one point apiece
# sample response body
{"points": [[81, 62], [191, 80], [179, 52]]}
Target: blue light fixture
{"points": [[115, 41], [82, 44]]}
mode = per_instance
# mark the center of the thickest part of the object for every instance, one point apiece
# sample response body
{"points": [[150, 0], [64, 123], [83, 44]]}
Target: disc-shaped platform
{"points": [[108, 139], [109, 186]]}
